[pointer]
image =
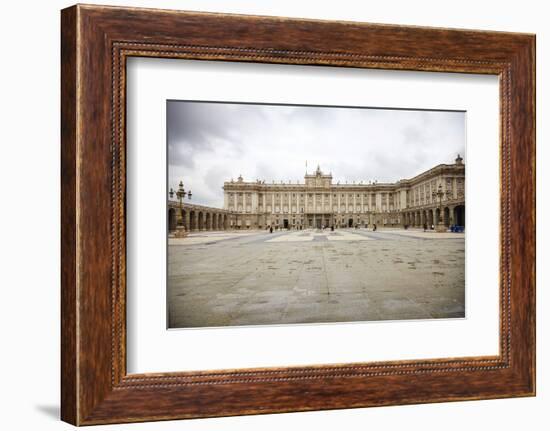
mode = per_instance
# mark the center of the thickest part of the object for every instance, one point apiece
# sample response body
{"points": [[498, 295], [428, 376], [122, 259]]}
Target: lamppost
{"points": [[440, 227], [180, 194]]}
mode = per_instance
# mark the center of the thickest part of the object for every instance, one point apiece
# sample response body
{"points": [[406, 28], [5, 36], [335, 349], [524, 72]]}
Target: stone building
{"points": [[318, 201]]}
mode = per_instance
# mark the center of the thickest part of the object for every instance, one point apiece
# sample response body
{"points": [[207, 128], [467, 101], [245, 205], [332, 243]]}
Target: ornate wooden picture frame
{"points": [[96, 41]]}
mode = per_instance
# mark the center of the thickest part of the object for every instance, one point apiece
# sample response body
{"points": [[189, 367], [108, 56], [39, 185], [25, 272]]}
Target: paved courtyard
{"points": [[313, 276]]}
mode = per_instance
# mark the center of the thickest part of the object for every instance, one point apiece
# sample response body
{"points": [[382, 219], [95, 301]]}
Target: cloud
{"points": [[209, 143]]}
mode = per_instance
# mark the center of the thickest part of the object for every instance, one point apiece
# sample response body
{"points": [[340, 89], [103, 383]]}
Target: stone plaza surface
{"points": [[314, 276]]}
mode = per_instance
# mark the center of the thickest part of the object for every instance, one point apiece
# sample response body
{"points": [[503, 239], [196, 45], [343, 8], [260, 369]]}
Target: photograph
{"points": [[302, 214]]}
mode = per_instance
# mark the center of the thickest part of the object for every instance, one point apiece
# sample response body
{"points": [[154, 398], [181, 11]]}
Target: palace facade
{"points": [[319, 202]]}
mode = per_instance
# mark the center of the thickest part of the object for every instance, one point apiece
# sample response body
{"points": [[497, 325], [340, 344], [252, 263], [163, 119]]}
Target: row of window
{"points": [[309, 195], [344, 222], [277, 209]]}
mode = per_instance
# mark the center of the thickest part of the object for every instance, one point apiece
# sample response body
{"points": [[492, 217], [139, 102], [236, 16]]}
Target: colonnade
{"points": [[450, 215]]}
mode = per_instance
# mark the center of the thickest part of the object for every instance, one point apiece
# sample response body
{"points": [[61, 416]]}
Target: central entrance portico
{"points": [[318, 221]]}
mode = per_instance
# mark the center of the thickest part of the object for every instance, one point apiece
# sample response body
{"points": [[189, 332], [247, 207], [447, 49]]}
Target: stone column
{"points": [[346, 196], [187, 222], [455, 188], [196, 221], [452, 215], [254, 203], [289, 205]]}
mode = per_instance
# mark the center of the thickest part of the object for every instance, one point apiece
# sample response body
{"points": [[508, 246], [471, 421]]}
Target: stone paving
{"points": [[313, 276]]}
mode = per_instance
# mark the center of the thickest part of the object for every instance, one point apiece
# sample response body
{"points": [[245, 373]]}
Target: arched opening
{"points": [[208, 221], [446, 218], [171, 220], [215, 222], [437, 216], [460, 215]]}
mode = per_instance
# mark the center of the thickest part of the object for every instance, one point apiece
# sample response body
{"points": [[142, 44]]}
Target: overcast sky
{"points": [[209, 143]]}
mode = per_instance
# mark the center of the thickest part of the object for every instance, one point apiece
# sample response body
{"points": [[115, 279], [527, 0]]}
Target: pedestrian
{"points": [[270, 229], [425, 227], [374, 227]]}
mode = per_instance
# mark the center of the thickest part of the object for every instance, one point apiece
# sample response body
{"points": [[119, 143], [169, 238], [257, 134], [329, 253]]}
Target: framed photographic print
{"points": [[268, 215]]}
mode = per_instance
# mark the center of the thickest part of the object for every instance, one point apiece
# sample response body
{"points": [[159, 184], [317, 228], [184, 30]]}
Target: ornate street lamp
{"points": [[439, 195], [180, 194]]}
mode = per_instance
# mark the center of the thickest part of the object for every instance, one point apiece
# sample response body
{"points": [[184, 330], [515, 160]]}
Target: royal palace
{"points": [[434, 195]]}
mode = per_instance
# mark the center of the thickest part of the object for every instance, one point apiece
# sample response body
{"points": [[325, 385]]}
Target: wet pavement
{"points": [[313, 276]]}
